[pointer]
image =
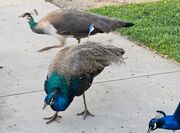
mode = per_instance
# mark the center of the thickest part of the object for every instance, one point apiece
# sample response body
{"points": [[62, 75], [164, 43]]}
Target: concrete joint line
{"points": [[100, 82]]}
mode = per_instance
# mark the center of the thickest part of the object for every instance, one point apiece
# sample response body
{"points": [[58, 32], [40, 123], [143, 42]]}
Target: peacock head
{"points": [[57, 101], [152, 125], [156, 122], [28, 15], [49, 99]]}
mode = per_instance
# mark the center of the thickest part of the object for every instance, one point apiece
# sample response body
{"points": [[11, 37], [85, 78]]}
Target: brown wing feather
{"points": [[90, 58], [70, 22]]}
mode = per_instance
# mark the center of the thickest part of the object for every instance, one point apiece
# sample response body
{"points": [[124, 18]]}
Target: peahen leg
{"points": [[62, 43], [55, 117], [79, 40], [86, 111], [50, 47]]}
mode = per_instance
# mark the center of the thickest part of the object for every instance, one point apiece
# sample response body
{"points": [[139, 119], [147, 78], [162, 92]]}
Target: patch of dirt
{"points": [[84, 4]]}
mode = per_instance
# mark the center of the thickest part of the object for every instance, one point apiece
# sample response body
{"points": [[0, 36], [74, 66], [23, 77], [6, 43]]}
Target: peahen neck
{"points": [[32, 24]]}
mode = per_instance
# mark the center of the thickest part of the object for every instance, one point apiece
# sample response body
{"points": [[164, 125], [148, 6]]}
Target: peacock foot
{"points": [[55, 117], [85, 113]]}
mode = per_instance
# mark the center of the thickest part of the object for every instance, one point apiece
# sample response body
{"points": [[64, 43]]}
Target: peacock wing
{"points": [[80, 64], [91, 58], [87, 61]]}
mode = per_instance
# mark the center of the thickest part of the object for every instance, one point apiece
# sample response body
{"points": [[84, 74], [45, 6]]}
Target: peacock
{"points": [[71, 23], [72, 71], [163, 121]]}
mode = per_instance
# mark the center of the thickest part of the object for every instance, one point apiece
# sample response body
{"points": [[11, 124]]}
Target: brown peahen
{"points": [[72, 71], [71, 23]]}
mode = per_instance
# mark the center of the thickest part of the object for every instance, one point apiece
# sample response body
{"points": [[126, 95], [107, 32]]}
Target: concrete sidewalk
{"points": [[123, 98]]}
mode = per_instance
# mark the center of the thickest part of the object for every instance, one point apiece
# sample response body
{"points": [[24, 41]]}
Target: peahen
{"points": [[163, 121], [71, 23], [72, 71]]}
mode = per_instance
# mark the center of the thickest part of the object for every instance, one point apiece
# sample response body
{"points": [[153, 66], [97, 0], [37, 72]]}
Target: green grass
{"points": [[157, 24]]}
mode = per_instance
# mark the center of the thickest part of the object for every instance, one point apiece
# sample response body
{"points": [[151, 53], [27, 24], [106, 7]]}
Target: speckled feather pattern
{"points": [[85, 59]]}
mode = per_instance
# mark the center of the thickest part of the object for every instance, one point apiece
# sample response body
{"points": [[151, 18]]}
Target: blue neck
{"points": [[61, 103], [170, 123], [56, 81], [62, 96]]}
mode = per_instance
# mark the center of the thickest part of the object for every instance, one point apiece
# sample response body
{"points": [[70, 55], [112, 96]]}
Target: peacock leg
{"points": [[86, 111], [55, 117]]}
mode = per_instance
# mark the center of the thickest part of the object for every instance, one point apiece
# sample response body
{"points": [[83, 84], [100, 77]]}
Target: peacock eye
{"points": [[52, 101]]}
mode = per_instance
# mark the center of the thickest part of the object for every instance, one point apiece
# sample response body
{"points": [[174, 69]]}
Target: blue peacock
{"points": [[163, 121], [72, 71]]}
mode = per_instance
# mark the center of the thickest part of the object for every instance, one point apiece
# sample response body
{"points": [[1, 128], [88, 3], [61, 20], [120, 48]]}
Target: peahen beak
{"points": [[44, 105], [149, 130], [21, 16]]}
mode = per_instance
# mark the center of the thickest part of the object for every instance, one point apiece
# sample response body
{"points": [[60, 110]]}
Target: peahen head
{"points": [[27, 15], [30, 19], [157, 122]]}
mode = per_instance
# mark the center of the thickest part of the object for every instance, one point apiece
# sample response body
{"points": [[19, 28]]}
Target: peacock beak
{"points": [[44, 105], [149, 130]]}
